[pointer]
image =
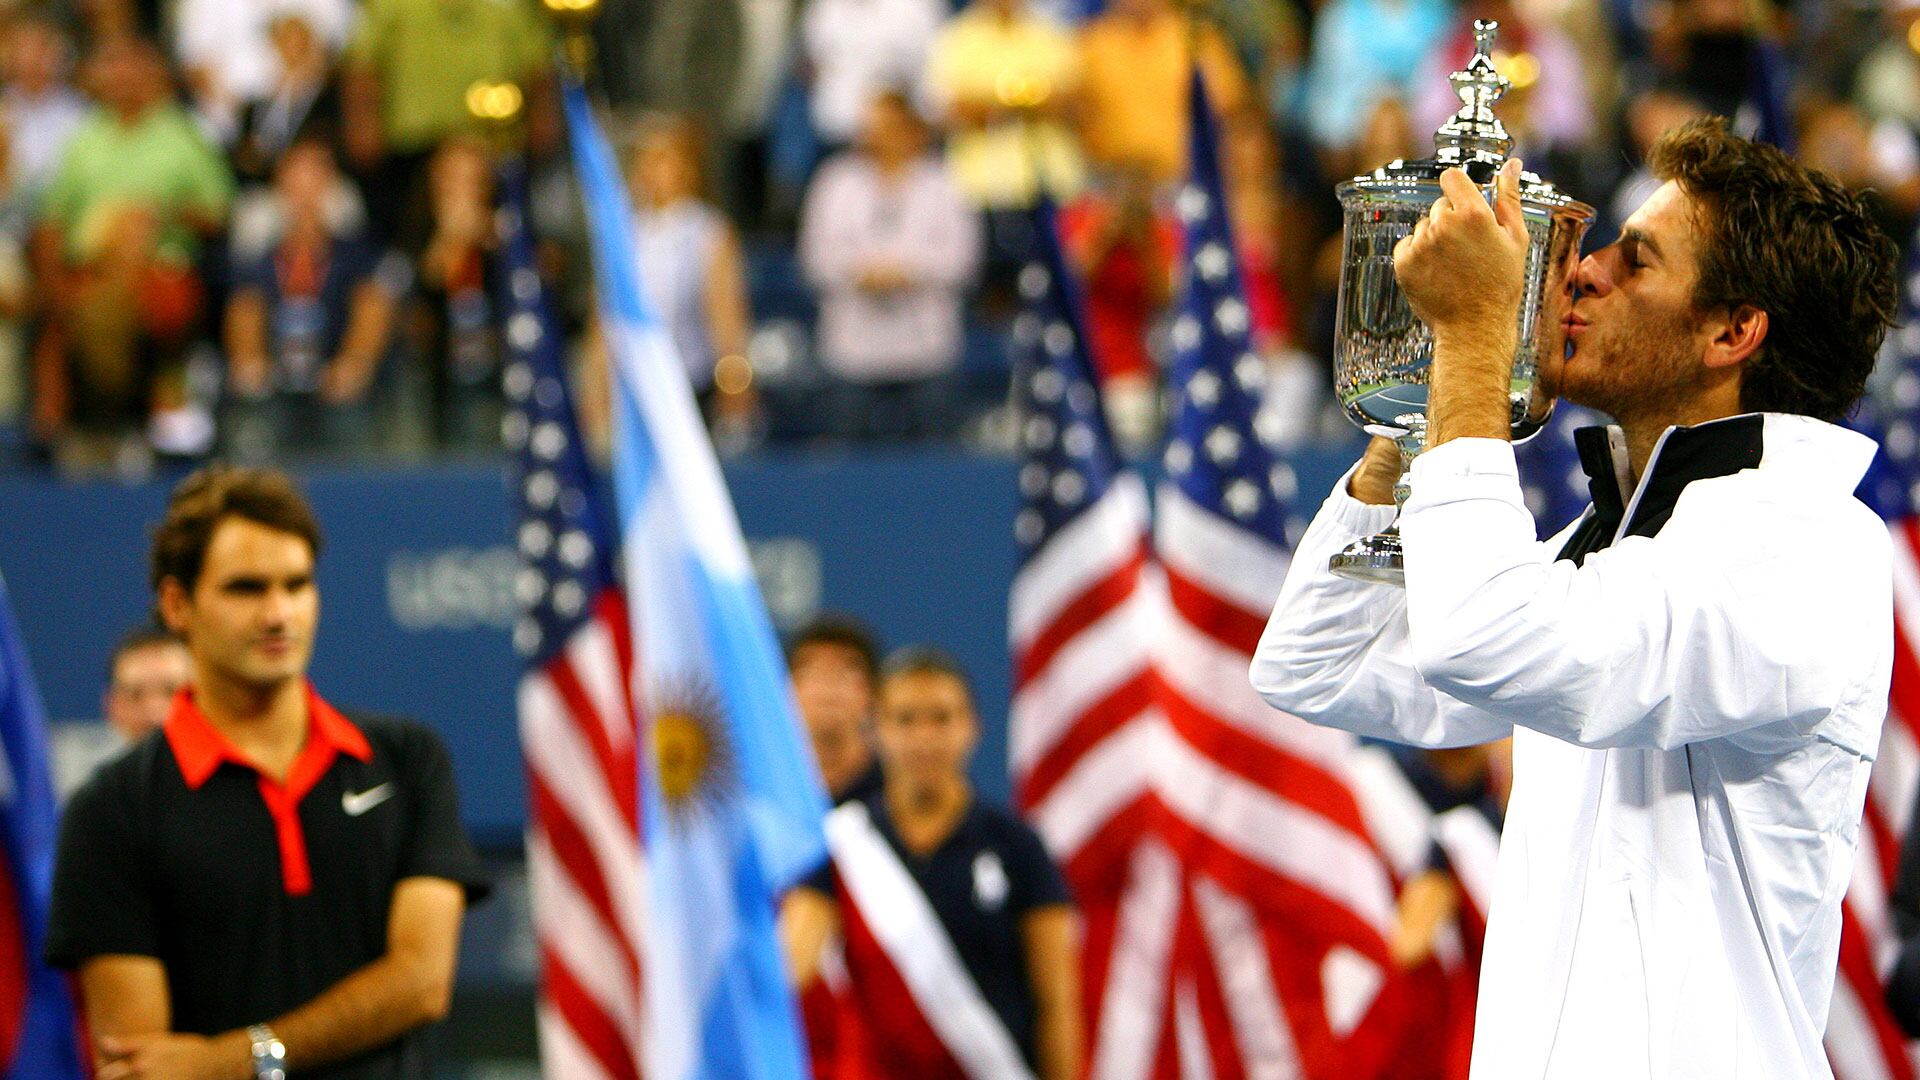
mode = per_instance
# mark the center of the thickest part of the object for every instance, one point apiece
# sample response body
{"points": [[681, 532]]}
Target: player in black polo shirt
{"points": [[996, 894], [265, 884]]}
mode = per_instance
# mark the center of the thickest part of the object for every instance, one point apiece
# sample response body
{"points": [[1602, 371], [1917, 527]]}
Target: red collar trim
{"points": [[199, 748]]}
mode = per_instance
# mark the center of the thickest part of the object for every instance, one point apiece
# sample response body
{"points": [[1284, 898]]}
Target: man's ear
{"points": [[1737, 336], [173, 603]]}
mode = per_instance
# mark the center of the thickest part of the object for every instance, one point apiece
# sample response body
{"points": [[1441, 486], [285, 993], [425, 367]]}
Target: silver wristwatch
{"points": [[269, 1053]]}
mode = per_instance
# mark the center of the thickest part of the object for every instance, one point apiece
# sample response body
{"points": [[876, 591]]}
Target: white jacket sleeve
{"points": [[1755, 613], [1336, 652]]}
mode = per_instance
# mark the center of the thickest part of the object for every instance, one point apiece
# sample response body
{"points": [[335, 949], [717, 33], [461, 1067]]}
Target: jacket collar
{"points": [[200, 749], [1798, 450]]}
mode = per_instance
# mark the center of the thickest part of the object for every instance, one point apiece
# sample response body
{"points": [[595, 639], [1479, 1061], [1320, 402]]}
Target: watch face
{"points": [[269, 1054]]}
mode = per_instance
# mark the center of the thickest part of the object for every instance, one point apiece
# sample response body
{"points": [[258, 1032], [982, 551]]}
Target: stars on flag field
{"points": [[1067, 461], [1892, 415], [561, 566], [1221, 446]]}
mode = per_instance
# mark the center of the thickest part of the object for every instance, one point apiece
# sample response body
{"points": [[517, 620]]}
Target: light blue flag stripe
{"points": [[717, 995]]}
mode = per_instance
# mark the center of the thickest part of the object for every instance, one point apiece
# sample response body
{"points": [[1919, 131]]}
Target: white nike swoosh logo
{"points": [[356, 803]]}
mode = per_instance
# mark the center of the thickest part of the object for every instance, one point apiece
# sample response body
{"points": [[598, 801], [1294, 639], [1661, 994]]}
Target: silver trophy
{"points": [[1381, 352]]}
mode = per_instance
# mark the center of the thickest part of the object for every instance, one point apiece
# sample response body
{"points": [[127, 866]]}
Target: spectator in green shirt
{"points": [[407, 71], [137, 193]]}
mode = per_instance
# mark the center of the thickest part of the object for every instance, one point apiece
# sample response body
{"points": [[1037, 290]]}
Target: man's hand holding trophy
{"points": [[1454, 270]]}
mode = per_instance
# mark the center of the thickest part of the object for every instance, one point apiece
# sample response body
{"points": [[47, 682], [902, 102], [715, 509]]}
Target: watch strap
{"points": [[269, 1053]]}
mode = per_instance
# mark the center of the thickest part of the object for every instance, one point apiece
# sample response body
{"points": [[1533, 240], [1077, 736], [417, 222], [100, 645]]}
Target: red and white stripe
{"points": [[1244, 774], [1081, 625], [1237, 905], [1128, 963], [1863, 1041], [896, 942], [585, 863], [1289, 899], [1231, 929]]}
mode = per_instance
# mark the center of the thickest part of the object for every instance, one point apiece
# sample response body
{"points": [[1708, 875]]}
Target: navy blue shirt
{"points": [[982, 881], [307, 308]]}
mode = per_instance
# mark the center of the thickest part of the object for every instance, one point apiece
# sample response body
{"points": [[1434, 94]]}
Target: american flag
{"points": [[1863, 1042], [1080, 619], [1083, 611], [584, 857], [1288, 901]]}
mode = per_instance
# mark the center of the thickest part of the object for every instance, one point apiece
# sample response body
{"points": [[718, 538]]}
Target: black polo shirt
{"points": [[986, 877], [258, 896]]}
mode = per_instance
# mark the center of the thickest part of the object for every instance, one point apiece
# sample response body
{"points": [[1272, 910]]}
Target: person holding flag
{"points": [[1695, 672], [960, 939]]}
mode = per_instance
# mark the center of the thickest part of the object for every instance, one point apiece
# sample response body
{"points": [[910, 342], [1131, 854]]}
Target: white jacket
{"points": [[1695, 708]]}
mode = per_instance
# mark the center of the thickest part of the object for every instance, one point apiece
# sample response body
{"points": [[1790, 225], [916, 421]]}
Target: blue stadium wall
{"points": [[417, 584]]}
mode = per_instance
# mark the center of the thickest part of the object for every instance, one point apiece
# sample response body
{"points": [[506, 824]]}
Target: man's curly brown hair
{"points": [[213, 494], [1796, 244]]}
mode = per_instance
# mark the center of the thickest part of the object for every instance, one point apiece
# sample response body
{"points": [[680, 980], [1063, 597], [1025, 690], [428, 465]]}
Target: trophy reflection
{"points": [[1382, 352]]}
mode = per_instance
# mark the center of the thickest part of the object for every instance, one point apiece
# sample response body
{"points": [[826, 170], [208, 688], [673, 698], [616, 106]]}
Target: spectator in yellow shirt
{"points": [[403, 93], [1135, 65], [1008, 80]]}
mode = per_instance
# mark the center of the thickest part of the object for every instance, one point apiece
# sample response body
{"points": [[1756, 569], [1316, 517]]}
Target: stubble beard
{"points": [[1635, 375]]}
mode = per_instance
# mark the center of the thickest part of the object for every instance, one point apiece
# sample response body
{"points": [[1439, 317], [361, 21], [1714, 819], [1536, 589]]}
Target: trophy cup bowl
{"points": [[1382, 353]]}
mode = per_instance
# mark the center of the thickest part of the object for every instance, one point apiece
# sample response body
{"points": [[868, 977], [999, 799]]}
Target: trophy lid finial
{"points": [[1474, 131]]}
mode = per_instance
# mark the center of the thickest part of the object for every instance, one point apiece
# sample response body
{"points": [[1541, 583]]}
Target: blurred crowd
{"points": [[265, 229]]}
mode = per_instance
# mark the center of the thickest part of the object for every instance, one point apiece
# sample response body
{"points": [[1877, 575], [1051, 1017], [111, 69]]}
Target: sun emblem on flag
{"points": [[692, 754]]}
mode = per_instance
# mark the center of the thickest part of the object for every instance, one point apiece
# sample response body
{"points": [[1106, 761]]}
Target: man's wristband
{"points": [[269, 1053]]}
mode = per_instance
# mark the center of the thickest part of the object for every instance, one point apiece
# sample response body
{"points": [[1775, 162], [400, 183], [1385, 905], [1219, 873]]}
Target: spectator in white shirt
{"points": [[890, 244], [693, 275], [42, 109], [226, 48], [854, 49]]}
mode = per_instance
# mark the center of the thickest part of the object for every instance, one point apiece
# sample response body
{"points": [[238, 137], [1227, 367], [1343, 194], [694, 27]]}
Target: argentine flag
{"points": [[731, 802]]}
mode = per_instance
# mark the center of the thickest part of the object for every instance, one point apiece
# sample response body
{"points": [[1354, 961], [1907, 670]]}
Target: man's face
{"points": [[835, 695], [250, 618], [34, 55], [893, 133], [293, 39], [1635, 339], [664, 169], [305, 178], [144, 682], [127, 75], [925, 728]]}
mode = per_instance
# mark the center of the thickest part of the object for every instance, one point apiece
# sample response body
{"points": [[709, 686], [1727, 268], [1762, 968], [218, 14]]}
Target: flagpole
{"points": [[575, 19], [1194, 11]]}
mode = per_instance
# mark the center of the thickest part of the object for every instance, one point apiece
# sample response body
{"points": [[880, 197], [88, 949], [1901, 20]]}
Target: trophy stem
{"points": [[1378, 558]]}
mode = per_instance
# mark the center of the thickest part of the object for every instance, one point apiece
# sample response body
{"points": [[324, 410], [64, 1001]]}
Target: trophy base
{"points": [[1375, 559]]}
